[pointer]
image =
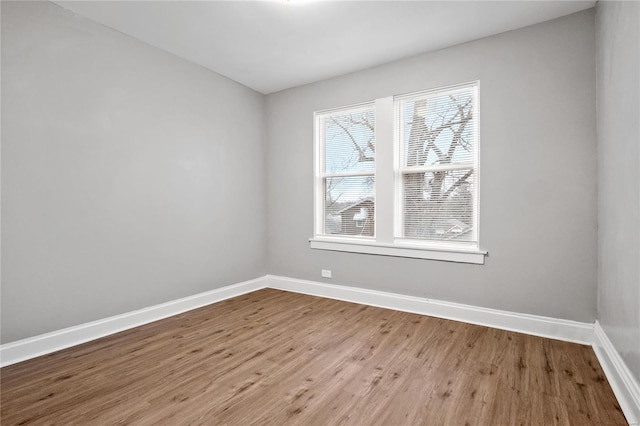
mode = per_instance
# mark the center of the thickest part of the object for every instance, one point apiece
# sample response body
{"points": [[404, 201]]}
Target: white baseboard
{"points": [[624, 385], [622, 381], [43, 344], [572, 331]]}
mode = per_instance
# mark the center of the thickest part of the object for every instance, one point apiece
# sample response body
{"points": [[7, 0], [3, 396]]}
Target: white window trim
{"points": [[388, 203], [370, 246]]}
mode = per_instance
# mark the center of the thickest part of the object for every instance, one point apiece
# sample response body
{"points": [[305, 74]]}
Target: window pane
{"points": [[349, 206], [439, 205], [438, 128], [349, 141]]}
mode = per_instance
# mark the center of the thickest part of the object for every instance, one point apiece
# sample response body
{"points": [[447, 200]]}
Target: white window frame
{"points": [[387, 239], [321, 174], [401, 170]]}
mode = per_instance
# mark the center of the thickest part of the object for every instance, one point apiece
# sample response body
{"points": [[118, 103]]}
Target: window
{"points": [[438, 165], [346, 171], [406, 187]]}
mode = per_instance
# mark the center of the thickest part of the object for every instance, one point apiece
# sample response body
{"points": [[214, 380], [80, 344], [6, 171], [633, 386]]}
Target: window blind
{"points": [[438, 137]]}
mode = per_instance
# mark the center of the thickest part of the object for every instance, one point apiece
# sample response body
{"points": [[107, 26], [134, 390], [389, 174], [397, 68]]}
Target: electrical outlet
{"points": [[325, 273]]}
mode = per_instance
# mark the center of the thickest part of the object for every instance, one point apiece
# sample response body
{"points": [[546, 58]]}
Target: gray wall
{"points": [[538, 173], [618, 93], [129, 177]]}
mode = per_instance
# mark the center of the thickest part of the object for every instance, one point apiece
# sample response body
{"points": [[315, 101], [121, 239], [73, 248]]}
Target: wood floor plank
{"points": [[274, 357]]}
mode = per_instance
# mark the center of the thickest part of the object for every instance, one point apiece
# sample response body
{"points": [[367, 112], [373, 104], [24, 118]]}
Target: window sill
{"points": [[400, 250]]}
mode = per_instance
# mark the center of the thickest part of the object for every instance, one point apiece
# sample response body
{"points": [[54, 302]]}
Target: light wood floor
{"points": [[273, 357]]}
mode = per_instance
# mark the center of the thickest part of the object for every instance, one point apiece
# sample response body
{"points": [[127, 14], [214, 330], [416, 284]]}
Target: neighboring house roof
{"points": [[455, 222], [459, 235], [457, 229], [363, 214], [454, 228], [357, 203]]}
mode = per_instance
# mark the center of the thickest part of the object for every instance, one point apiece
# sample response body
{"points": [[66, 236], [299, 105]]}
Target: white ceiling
{"points": [[273, 45]]}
